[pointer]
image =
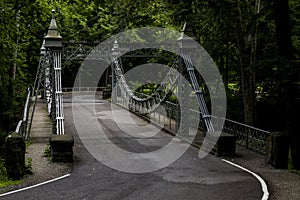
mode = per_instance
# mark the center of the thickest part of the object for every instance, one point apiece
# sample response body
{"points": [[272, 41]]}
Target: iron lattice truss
{"points": [[93, 50]]}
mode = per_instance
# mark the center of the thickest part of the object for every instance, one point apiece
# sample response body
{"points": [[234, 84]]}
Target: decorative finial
{"points": [[53, 13], [115, 48], [116, 45], [53, 38]]}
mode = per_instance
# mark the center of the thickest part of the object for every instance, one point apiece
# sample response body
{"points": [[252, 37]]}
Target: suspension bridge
{"points": [[156, 107]]}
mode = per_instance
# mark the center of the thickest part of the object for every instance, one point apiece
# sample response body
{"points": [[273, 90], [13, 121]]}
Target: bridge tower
{"points": [[53, 45], [186, 46]]}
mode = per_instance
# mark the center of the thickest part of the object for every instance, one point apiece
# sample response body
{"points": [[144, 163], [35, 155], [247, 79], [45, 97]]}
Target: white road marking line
{"points": [[33, 186], [262, 182]]}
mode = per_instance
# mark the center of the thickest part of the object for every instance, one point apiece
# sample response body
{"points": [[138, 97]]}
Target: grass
{"points": [[4, 180], [9, 182], [28, 166], [27, 144], [47, 152]]}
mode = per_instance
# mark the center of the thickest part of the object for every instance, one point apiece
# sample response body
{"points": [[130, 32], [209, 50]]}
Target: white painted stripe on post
{"points": [[33, 186], [262, 182]]}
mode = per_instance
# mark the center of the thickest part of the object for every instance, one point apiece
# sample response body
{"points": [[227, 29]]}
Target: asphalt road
{"points": [[187, 178]]}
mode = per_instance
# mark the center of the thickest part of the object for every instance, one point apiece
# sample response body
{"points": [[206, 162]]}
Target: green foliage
{"points": [[21, 31], [4, 180], [47, 152], [9, 182], [135, 14], [2, 138], [173, 99], [28, 166], [28, 143], [3, 172]]}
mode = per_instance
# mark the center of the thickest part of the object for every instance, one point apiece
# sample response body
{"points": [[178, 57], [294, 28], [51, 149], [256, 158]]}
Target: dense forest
{"points": [[255, 44]]}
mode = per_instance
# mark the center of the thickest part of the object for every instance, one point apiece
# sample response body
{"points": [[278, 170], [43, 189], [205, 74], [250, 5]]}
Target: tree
{"points": [[290, 78], [21, 33]]}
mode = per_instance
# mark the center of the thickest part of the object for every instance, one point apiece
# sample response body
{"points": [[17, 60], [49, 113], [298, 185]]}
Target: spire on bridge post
{"points": [[53, 44], [53, 40]]}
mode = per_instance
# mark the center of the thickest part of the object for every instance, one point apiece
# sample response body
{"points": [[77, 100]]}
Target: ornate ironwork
{"points": [[129, 99], [80, 50]]}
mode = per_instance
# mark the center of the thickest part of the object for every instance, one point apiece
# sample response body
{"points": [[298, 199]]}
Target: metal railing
{"points": [[247, 136], [166, 116], [82, 89], [21, 128]]}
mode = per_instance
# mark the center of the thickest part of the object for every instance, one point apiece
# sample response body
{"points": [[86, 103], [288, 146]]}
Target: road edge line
{"points": [[261, 180], [36, 185]]}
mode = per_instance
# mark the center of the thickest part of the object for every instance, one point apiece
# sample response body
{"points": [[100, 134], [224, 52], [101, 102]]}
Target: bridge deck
{"points": [[187, 178], [41, 125]]}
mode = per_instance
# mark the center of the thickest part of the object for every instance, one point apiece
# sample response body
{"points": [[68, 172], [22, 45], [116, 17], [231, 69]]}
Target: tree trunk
{"points": [[290, 78], [283, 28], [247, 74]]}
